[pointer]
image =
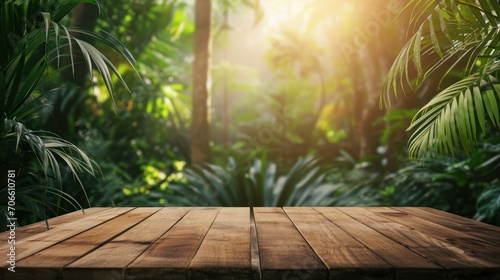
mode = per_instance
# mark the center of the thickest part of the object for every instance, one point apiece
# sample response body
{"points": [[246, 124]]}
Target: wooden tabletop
{"points": [[266, 243]]}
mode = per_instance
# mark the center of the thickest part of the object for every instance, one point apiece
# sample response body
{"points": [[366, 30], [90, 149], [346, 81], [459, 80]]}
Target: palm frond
{"points": [[32, 39], [458, 34], [47, 148], [16, 89], [453, 119]]}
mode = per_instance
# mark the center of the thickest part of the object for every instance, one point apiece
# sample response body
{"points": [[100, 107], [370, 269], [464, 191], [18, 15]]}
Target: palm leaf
{"points": [[469, 35], [454, 114], [24, 74]]}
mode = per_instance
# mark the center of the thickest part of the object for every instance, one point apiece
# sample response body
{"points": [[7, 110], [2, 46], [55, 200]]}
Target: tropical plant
{"points": [[358, 183], [453, 36], [260, 185], [488, 205], [33, 41], [466, 185]]}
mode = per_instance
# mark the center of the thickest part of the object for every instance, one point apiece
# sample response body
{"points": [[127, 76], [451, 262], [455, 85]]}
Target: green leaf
{"points": [[417, 51], [492, 107], [434, 38], [478, 102], [468, 33], [68, 36]]}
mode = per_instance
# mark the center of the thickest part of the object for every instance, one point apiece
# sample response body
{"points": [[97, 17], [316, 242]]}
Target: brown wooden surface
{"points": [[225, 251], [282, 247], [471, 227], [111, 258], [341, 252], [279, 243], [52, 223], [173, 252]]}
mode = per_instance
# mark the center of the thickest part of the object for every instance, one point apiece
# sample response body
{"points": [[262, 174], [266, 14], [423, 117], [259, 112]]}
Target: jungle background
{"points": [[250, 103]]}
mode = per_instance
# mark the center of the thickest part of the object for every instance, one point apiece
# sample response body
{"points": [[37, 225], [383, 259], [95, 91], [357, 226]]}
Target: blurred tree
{"points": [[349, 47], [298, 57], [200, 130], [368, 48]]}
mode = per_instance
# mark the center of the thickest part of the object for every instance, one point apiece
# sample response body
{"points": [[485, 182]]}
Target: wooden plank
{"points": [[38, 227], [108, 261], [54, 258], [224, 254], [471, 227], [345, 257], [474, 246], [38, 242], [452, 257], [485, 255], [293, 243], [407, 264], [170, 255], [284, 254]]}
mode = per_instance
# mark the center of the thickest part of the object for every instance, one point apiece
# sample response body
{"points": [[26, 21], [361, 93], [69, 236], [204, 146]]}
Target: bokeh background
{"points": [[294, 115]]}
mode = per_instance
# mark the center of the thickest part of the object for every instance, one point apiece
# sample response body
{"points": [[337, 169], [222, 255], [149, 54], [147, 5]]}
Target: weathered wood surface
{"points": [[261, 243]]}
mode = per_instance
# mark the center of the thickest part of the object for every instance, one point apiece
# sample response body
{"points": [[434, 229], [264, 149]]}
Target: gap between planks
{"points": [[254, 248], [285, 258]]}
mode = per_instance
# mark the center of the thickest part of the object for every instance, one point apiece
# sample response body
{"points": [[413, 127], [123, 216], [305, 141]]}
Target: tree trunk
{"points": [[200, 135]]}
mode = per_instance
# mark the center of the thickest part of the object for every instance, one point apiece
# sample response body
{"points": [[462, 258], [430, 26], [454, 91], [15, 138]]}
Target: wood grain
{"points": [[38, 227], [459, 252], [428, 245], [343, 255], [471, 245], [281, 243], [407, 263], [35, 243], [477, 229], [225, 251], [110, 259], [69, 250], [172, 253], [284, 254]]}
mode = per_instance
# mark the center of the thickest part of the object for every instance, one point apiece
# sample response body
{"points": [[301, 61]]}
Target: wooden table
{"points": [[273, 243]]}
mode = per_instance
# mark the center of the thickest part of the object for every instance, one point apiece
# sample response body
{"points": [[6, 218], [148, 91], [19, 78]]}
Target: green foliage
{"points": [[148, 132], [395, 118], [34, 39], [441, 184], [260, 185], [156, 31], [359, 183], [319, 100], [45, 147], [147, 129], [467, 186], [357, 187], [147, 190], [457, 35], [488, 205]]}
